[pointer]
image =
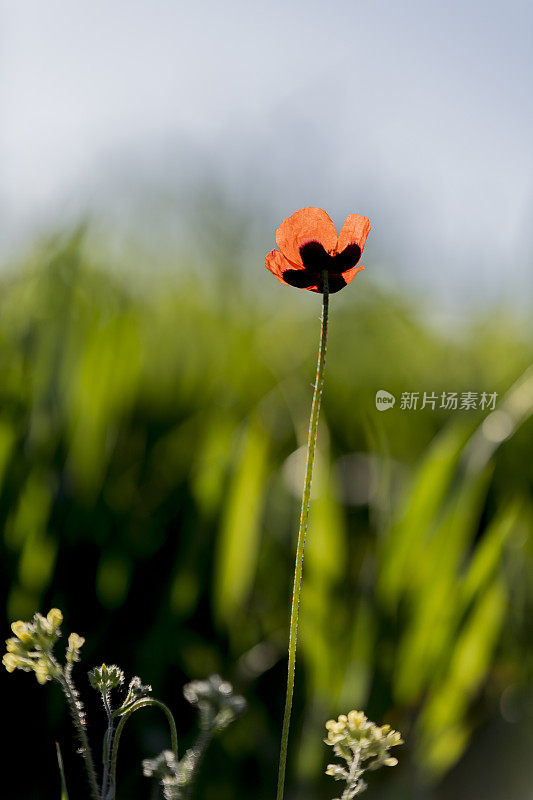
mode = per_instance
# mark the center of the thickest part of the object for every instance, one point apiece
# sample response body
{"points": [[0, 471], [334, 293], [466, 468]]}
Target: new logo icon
{"points": [[384, 400]]}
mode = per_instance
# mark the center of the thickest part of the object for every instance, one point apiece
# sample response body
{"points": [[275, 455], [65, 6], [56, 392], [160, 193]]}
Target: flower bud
{"points": [[42, 671], [10, 662], [75, 643], [54, 619], [217, 704], [23, 631], [105, 678]]}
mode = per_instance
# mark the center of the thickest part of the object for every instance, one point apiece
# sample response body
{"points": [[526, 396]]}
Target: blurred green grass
{"points": [[150, 474]]}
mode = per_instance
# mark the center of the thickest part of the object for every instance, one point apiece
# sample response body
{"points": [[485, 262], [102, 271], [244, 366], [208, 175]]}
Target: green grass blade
{"points": [[64, 792], [238, 547]]}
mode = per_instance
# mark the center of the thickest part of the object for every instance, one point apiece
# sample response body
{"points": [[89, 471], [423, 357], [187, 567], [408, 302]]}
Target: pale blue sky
{"points": [[418, 114]]}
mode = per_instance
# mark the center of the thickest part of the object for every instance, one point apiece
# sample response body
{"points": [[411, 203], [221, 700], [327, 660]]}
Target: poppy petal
{"points": [[347, 259], [301, 278], [353, 232], [304, 226], [350, 274], [277, 264], [336, 282]]}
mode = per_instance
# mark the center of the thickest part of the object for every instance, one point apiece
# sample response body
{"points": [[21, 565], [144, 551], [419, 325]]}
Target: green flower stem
{"points": [[65, 681], [108, 744], [304, 516], [143, 703]]}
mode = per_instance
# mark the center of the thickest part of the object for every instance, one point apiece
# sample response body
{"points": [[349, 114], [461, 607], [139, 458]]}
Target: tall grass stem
{"points": [[302, 532]]}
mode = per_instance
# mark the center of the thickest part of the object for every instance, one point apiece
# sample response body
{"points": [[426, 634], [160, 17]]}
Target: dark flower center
{"points": [[315, 260]]}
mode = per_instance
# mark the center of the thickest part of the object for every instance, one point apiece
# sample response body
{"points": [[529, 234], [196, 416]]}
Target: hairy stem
{"points": [[108, 744], [143, 703], [199, 749], [76, 711], [302, 532], [352, 781]]}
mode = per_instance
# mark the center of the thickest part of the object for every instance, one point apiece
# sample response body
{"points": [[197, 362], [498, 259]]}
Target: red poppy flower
{"points": [[309, 245]]}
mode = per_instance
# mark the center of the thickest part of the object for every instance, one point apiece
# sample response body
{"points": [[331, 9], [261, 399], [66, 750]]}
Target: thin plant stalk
{"points": [[74, 705], [302, 532], [352, 780], [200, 747], [64, 790], [142, 703], [108, 744]]}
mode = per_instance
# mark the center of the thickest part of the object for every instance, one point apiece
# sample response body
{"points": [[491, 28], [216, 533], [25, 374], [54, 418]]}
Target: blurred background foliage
{"points": [[151, 459]]}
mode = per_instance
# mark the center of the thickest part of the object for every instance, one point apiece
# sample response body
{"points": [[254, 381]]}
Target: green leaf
{"points": [[322, 619], [400, 549], [238, 544], [487, 556], [436, 605], [444, 713]]}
